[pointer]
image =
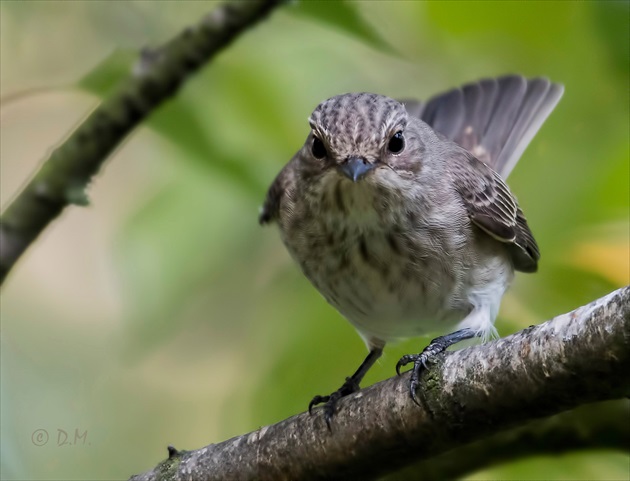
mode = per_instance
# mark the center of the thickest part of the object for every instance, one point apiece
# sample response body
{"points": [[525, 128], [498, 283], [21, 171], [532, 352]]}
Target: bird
{"points": [[398, 213]]}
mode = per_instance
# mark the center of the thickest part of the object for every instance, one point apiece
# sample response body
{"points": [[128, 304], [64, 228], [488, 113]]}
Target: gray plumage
{"points": [[398, 213], [494, 119]]}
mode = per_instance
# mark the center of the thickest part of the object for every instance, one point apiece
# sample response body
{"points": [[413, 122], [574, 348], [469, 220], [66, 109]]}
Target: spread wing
{"points": [[492, 207], [493, 119]]}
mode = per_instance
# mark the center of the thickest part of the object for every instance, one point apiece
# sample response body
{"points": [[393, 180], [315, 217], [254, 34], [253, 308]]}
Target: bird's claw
{"points": [[419, 364], [421, 361], [403, 361], [330, 401], [413, 383], [315, 401], [330, 406]]}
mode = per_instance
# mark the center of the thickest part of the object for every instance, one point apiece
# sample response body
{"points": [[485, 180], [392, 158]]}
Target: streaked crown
{"points": [[357, 124]]}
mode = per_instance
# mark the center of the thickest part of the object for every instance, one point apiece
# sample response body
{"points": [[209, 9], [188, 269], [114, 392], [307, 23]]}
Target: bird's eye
{"points": [[318, 149], [396, 143]]}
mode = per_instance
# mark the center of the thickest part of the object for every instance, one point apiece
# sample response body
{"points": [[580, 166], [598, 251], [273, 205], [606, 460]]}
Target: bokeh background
{"points": [[163, 314]]}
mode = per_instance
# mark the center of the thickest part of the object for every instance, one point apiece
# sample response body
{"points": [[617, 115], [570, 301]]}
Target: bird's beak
{"points": [[355, 167]]}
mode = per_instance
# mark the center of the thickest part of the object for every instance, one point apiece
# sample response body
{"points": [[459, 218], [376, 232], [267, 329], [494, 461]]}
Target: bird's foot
{"points": [[330, 401], [435, 347], [420, 362]]}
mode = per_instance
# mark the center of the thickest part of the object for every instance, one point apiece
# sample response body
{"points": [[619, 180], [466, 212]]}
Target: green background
{"points": [[163, 314]]}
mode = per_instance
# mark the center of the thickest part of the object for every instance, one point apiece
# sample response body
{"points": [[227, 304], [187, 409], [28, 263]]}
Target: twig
{"points": [[574, 359], [159, 74]]}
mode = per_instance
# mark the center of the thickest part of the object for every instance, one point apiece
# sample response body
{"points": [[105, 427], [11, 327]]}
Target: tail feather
{"points": [[494, 119], [539, 101], [507, 105]]}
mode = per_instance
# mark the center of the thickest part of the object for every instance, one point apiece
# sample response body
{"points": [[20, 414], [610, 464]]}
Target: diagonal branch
{"points": [[589, 427], [62, 179], [573, 359]]}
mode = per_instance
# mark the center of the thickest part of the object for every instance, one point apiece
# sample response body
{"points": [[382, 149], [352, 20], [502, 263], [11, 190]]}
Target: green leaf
{"points": [[175, 245], [179, 122], [512, 19], [342, 14], [611, 21]]}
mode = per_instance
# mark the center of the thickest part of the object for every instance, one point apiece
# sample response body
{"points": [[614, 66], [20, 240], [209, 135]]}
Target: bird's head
{"points": [[360, 136]]}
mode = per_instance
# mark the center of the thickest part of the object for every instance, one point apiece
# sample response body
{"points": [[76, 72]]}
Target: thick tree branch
{"points": [[62, 179], [574, 359]]}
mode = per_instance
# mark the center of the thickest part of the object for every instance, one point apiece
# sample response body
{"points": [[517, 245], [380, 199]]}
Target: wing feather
{"points": [[277, 193], [494, 209]]}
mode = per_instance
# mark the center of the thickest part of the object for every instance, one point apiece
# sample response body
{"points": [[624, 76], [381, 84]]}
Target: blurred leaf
{"points": [[12, 464], [611, 21], [561, 288], [576, 466], [608, 259], [515, 314], [105, 77], [604, 252], [179, 122], [342, 14], [610, 197], [322, 350], [163, 273], [517, 19]]}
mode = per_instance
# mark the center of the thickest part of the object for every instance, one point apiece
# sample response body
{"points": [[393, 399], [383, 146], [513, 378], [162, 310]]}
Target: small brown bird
{"points": [[398, 214]]}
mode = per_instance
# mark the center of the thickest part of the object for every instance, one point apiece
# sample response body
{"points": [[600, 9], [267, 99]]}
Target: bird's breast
{"points": [[382, 266]]}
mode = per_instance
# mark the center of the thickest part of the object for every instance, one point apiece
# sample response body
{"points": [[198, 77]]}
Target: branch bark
{"points": [[573, 359], [63, 178]]}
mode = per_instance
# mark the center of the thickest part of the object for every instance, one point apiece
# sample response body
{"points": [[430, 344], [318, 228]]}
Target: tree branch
{"points": [[574, 359], [589, 427], [62, 179]]}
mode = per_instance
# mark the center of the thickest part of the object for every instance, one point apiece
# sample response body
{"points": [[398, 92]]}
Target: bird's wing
{"points": [[278, 191], [492, 207], [494, 119]]}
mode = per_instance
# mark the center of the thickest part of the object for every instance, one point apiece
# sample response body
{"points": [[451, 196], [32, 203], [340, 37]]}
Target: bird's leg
{"points": [[351, 385], [435, 347]]}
